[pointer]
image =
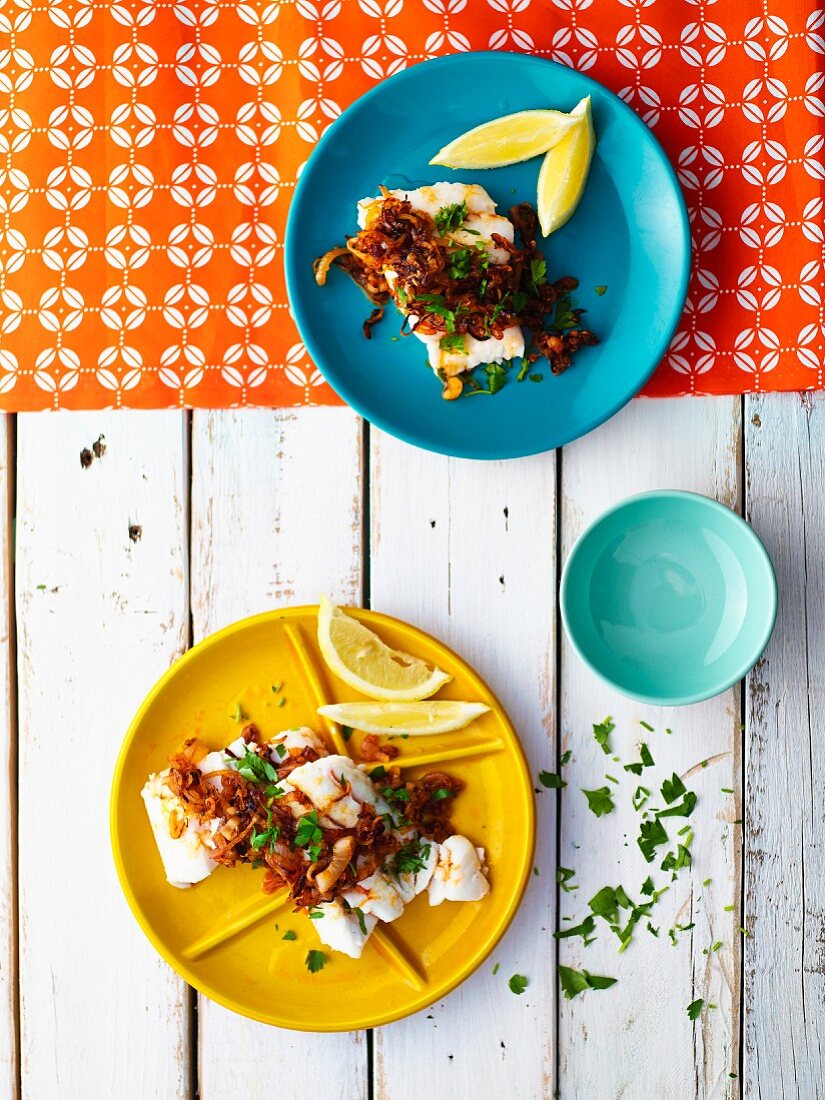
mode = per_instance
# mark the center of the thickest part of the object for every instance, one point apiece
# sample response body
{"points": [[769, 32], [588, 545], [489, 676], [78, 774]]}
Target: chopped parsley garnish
{"points": [[454, 343], [652, 835], [450, 217], [495, 969], [289, 935], [309, 835], [585, 930], [646, 761], [563, 876], [255, 768], [566, 316], [396, 794], [574, 982], [277, 687], [362, 924], [237, 714], [672, 789], [640, 796], [315, 961], [551, 780], [518, 983], [536, 377], [646, 726], [600, 801], [694, 1008], [411, 857], [441, 794], [316, 914], [281, 701], [538, 274], [675, 861], [267, 837], [601, 732], [346, 733], [566, 756], [519, 301], [523, 369], [281, 751], [378, 772], [600, 290]]}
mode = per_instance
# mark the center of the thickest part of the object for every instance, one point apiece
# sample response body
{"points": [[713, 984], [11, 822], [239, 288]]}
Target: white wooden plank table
{"points": [[185, 522]]}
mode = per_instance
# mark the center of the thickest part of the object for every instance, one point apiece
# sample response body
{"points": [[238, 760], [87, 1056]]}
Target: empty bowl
{"points": [[669, 597]]}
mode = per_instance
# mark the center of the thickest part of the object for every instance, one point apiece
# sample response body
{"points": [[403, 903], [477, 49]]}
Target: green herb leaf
{"points": [[682, 809], [694, 1008], [453, 343], [652, 835], [585, 930], [450, 217], [315, 961], [289, 935], [566, 757], [640, 796], [563, 876], [602, 733], [574, 982], [411, 857], [378, 772], [600, 801], [441, 794], [600, 290], [675, 861], [551, 780], [362, 924], [518, 983], [646, 761], [495, 969], [346, 733], [672, 789]]}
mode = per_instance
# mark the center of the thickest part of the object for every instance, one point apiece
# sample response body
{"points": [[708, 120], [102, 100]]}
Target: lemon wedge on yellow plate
{"points": [[433, 716], [506, 140], [357, 656], [564, 171]]}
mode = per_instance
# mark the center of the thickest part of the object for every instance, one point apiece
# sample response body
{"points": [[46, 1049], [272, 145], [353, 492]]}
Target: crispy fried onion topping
{"points": [[315, 860], [451, 289]]}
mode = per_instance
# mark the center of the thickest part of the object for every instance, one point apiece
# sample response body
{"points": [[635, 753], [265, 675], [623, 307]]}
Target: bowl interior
{"points": [[670, 598], [628, 235]]}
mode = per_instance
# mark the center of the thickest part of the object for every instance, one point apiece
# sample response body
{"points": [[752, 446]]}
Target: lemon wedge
{"points": [[564, 171], [506, 140], [434, 716], [357, 656]]}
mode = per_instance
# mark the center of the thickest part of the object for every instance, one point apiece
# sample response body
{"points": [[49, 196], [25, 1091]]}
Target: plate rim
{"points": [[464, 971], [716, 506], [469, 451]]}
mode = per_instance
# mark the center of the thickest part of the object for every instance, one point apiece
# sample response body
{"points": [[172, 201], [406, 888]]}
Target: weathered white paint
{"points": [[276, 519], [467, 551], [8, 825], [635, 1039], [99, 618], [784, 960]]}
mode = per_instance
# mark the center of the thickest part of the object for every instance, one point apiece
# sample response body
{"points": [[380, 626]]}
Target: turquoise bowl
{"points": [[669, 597]]}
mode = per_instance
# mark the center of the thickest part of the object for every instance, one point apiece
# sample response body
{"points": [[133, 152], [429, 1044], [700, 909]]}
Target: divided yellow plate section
{"points": [[221, 935]]}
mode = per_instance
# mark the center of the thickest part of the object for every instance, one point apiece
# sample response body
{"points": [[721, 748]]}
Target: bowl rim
{"points": [[762, 554], [349, 394]]}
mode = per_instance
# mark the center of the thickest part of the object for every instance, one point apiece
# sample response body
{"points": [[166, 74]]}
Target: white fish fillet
{"points": [[458, 874], [337, 788], [341, 930], [186, 859], [376, 896], [484, 221]]}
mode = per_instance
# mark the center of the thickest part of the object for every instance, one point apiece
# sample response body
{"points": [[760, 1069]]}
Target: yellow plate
{"points": [[224, 936]]}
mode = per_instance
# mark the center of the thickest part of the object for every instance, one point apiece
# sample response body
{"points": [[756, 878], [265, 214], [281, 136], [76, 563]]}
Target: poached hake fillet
{"points": [[467, 288], [352, 845]]}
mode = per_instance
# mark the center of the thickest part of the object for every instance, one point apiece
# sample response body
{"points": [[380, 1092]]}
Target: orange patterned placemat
{"points": [[150, 149]]}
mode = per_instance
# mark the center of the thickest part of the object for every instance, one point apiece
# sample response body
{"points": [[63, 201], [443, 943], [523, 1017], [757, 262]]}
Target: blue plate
{"points": [[629, 234], [669, 597]]}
